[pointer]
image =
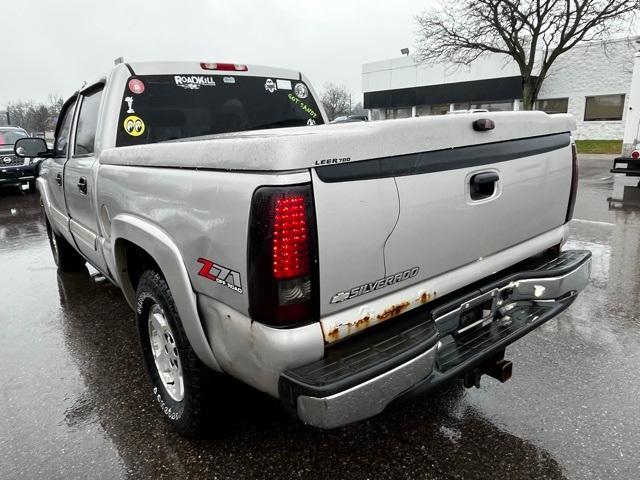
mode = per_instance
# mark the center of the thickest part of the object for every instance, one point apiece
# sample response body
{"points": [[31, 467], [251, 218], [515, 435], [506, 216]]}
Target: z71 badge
{"points": [[377, 285], [219, 274]]}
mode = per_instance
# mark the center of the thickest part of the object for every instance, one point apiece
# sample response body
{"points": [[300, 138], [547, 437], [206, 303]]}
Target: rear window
{"points": [[157, 108]]}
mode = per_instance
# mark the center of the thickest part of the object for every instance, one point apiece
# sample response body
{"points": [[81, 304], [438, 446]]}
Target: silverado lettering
{"points": [[372, 286]]}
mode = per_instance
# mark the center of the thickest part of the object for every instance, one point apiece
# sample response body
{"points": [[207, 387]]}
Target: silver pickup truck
{"points": [[336, 267]]}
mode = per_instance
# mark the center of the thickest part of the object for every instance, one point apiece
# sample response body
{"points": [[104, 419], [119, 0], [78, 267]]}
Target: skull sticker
{"points": [[270, 86]]}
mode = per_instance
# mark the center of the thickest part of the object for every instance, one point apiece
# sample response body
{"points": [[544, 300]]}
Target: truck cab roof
{"points": [[169, 67]]}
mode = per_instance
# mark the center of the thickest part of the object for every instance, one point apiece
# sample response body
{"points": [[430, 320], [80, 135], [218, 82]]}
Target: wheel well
{"points": [[134, 261]]}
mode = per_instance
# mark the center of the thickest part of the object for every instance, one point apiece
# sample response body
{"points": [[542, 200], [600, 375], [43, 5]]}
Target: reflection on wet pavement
{"points": [[76, 403]]}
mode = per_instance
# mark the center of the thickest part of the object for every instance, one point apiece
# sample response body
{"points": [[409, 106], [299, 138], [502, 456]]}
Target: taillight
{"points": [[574, 182], [228, 67], [635, 154], [282, 256]]}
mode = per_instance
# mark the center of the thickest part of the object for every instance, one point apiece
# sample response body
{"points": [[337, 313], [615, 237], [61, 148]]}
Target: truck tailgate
{"points": [[387, 223]]}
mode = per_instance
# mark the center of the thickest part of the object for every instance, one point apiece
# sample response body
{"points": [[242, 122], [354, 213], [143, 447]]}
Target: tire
{"points": [[32, 186], [184, 388], [65, 256]]}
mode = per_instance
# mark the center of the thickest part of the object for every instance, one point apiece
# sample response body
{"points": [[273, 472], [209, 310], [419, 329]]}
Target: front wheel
{"points": [[181, 382]]}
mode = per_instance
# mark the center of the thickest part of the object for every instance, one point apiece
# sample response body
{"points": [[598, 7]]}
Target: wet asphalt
{"points": [[75, 402]]}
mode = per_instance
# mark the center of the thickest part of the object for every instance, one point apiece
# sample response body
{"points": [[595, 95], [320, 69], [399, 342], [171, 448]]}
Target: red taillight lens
{"points": [[227, 67], [574, 183], [290, 237], [635, 154], [282, 256]]}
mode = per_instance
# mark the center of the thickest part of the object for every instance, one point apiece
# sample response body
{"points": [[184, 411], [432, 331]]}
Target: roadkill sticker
{"points": [[377, 285], [219, 274], [194, 82]]}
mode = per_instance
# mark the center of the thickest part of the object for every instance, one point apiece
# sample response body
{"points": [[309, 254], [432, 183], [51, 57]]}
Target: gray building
{"points": [[591, 81]]}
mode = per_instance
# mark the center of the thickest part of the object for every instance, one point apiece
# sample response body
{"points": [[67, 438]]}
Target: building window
{"points": [[391, 113], [440, 109], [398, 112], [461, 106], [494, 106], [422, 110], [553, 105], [604, 107], [377, 113]]}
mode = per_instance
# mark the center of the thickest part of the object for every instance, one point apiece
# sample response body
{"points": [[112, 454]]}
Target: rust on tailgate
{"points": [[345, 329], [393, 311]]}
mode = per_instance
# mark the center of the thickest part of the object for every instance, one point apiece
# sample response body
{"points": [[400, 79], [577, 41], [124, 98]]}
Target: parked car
{"points": [[336, 267], [471, 110], [16, 171], [350, 118]]}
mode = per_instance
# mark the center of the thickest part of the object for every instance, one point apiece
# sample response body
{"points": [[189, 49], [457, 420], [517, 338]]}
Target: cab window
{"points": [[62, 139], [87, 123]]}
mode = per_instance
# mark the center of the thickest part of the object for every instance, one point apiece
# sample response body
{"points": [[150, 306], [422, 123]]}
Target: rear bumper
{"points": [[628, 166], [427, 347]]}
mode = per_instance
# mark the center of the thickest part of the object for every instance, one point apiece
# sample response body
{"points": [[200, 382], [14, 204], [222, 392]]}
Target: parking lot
{"points": [[76, 403]]}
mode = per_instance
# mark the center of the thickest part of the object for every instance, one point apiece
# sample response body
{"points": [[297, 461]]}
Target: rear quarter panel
{"points": [[204, 212]]}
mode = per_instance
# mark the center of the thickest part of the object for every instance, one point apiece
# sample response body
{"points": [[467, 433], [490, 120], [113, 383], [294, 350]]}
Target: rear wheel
{"points": [[181, 382], [65, 256]]}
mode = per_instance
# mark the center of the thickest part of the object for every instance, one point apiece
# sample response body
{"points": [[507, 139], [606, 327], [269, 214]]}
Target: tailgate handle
{"points": [[483, 185], [481, 178]]}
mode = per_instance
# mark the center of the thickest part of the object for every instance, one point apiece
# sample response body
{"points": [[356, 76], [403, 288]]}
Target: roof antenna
{"points": [[118, 61]]}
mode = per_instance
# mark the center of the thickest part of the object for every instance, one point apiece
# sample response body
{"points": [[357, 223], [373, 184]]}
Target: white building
{"points": [[591, 81]]}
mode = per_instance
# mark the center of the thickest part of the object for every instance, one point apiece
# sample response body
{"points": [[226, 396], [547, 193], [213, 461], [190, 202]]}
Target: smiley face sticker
{"points": [[133, 125]]}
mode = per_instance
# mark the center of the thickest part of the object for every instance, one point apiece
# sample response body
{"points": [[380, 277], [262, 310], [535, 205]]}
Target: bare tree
{"points": [[55, 105], [40, 118], [357, 109], [534, 33], [336, 100], [35, 117]]}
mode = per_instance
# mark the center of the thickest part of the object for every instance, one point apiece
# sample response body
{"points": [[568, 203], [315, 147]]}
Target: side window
{"points": [[62, 140], [87, 123], [604, 107]]}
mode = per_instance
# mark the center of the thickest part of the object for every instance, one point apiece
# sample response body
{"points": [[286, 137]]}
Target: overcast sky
{"points": [[52, 46]]}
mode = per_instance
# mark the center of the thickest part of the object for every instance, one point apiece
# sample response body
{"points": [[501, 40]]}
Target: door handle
{"points": [[483, 185], [59, 179], [82, 185], [482, 178]]}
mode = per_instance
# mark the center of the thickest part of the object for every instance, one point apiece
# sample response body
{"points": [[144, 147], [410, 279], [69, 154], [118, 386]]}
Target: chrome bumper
{"points": [[367, 399], [544, 296]]}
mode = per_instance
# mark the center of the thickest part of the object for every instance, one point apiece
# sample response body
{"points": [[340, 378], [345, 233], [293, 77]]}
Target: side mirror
{"points": [[32, 147]]}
